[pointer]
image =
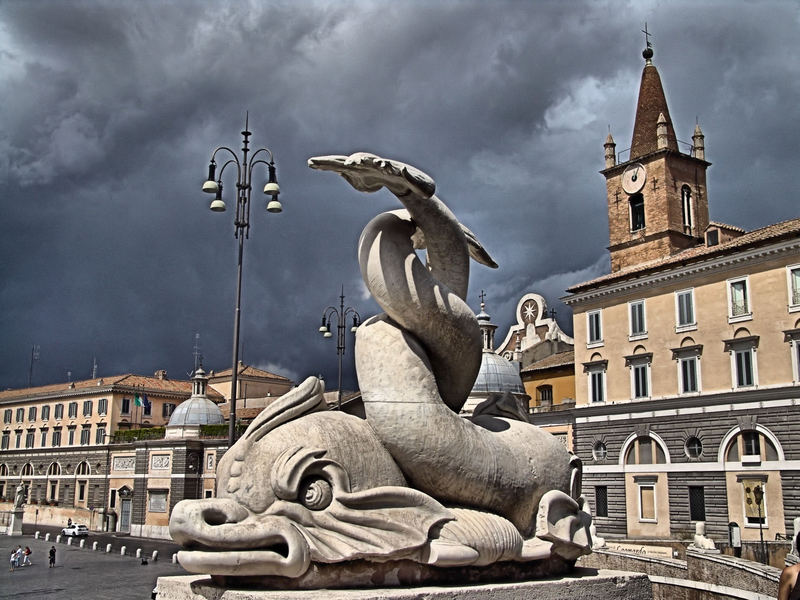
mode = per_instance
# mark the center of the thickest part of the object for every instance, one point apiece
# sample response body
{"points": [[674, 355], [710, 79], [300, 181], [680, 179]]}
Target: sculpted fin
{"points": [[306, 398]]}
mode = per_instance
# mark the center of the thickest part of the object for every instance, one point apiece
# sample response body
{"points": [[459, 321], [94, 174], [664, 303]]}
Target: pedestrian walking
{"points": [[52, 556], [26, 557], [13, 559]]}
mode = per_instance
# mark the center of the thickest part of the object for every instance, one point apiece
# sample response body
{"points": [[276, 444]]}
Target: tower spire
{"points": [[651, 105]]}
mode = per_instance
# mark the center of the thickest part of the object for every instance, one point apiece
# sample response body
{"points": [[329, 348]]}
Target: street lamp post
{"points": [[213, 185], [758, 495], [341, 315]]}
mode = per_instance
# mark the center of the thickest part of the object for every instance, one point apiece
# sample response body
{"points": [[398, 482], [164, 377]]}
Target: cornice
{"points": [[765, 395], [670, 273], [98, 391]]}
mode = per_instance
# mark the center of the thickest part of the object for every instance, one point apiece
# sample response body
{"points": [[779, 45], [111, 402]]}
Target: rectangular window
{"points": [[102, 406], [637, 212], [166, 409], [697, 503], [601, 500], [751, 443], [147, 409], [73, 410], [794, 287], [597, 386], [545, 393], [81, 491], [5, 440], [125, 407], [744, 367], [87, 408], [32, 413], [7, 415], [59, 411], [158, 501], [641, 375], [637, 319], [85, 433], [684, 306], [71, 437], [594, 328], [18, 440], [45, 412], [100, 435], [647, 502], [43, 438], [112, 503], [738, 300], [29, 439], [56, 438], [20, 415], [688, 374]]}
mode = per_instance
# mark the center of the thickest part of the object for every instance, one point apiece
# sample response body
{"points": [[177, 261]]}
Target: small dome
{"points": [[497, 374], [197, 410]]}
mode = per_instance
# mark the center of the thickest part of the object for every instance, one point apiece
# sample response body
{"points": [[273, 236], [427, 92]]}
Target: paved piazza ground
{"points": [[81, 573]]}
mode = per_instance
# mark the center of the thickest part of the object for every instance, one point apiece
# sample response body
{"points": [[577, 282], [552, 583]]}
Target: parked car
{"points": [[75, 529]]}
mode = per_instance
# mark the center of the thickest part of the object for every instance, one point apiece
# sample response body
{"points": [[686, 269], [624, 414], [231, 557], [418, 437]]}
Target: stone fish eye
{"points": [[315, 493]]}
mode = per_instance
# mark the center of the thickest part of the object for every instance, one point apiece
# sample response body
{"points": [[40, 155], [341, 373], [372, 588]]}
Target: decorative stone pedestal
{"points": [[585, 584], [15, 526]]}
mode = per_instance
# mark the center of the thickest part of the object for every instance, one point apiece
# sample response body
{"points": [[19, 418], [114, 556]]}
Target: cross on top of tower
{"points": [[647, 36], [648, 51]]}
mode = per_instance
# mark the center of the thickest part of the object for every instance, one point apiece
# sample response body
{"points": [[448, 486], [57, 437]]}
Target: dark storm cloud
{"points": [[111, 111]]}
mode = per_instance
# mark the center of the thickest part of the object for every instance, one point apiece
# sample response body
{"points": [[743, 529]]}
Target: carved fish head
{"points": [[316, 487]]}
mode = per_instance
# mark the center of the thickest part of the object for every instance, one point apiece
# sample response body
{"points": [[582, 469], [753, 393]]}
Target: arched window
{"points": [[27, 470], [51, 488], [686, 208], [645, 451], [3, 470], [82, 485], [637, 212], [750, 447]]}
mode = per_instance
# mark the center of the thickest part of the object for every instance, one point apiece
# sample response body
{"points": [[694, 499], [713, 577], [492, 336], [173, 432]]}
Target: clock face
{"points": [[633, 179]]}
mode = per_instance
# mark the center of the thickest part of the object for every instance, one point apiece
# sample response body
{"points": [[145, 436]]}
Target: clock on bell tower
{"points": [[657, 200]]}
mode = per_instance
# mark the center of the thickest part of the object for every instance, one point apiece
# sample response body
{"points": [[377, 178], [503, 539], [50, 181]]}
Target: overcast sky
{"points": [[111, 110]]}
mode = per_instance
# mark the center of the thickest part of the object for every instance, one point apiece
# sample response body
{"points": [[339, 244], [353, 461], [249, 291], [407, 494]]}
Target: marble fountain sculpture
{"points": [[309, 497]]}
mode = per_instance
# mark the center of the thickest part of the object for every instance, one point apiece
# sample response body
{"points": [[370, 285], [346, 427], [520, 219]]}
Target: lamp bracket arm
{"points": [[259, 151]]}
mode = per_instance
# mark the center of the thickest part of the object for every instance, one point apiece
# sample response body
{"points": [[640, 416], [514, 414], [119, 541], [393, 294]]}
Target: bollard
{"points": [[36, 536], [82, 544], [175, 558], [46, 537], [122, 550], [58, 539], [94, 546], [154, 558], [108, 548], [138, 553], [69, 542]]}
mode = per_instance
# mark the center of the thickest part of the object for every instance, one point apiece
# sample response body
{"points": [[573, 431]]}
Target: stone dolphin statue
{"points": [[414, 481]]}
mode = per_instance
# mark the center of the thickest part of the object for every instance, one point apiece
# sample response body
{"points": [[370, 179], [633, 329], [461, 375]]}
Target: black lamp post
{"points": [[341, 315], [241, 223], [758, 495]]}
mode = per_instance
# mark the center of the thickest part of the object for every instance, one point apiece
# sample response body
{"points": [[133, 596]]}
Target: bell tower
{"points": [[657, 199]]}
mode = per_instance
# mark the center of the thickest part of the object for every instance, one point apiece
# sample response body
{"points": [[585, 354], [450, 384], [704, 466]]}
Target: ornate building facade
{"points": [[687, 353]]}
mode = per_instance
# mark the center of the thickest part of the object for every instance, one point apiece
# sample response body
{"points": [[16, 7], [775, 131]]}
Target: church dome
{"points": [[497, 374], [198, 409]]}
